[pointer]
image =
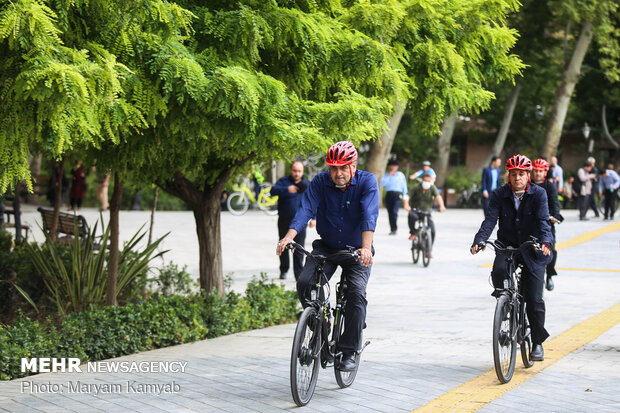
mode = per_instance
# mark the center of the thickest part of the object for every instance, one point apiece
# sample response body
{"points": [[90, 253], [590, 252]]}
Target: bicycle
{"points": [[601, 202], [422, 244], [312, 345], [239, 202], [510, 323]]}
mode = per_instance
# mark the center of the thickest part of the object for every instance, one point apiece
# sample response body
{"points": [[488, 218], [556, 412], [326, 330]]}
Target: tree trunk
{"points": [[498, 146], [381, 148], [153, 208], [115, 206], [35, 171], [207, 216], [570, 77], [443, 147], [60, 173]]}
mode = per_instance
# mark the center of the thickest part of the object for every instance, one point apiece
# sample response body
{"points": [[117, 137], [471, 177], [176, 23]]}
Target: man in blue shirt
{"points": [[345, 202], [608, 186], [490, 181], [289, 190], [426, 169], [395, 185]]}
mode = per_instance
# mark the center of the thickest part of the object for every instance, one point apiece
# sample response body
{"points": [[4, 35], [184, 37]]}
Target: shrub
{"points": [[165, 321]]}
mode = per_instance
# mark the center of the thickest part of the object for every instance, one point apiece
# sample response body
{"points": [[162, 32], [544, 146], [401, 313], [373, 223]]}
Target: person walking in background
{"points": [[289, 190], [491, 176], [608, 186], [426, 169], [585, 177], [395, 184], [557, 175], [78, 186], [590, 201], [103, 178], [570, 196]]}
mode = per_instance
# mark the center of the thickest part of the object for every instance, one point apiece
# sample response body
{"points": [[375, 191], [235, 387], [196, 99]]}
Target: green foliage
{"points": [[82, 285], [172, 280], [462, 179], [117, 331]]}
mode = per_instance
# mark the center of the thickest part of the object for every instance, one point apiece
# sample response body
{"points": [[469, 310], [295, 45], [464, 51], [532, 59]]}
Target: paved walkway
{"points": [[430, 330]]}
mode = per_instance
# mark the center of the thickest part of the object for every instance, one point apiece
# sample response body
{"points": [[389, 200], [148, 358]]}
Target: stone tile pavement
{"points": [[430, 330]]}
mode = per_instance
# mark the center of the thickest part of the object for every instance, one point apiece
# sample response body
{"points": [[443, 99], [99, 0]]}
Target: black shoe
{"points": [[392, 232], [537, 354], [283, 276], [496, 293], [550, 283], [347, 363], [584, 219]]}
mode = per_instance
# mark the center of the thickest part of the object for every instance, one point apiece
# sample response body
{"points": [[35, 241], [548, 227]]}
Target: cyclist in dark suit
{"points": [[522, 211], [540, 178], [345, 202]]}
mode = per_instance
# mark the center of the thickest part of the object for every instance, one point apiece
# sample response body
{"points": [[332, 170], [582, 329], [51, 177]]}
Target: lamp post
{"points": [[586, 134]]}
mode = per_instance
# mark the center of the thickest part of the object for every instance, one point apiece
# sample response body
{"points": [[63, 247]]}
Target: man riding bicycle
{"points": [[421, 197], [523, 212], [345, 202]]}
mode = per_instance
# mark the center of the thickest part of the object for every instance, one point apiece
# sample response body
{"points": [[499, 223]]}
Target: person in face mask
{"points": [[539, 176], [422, 196], [522, 211]]}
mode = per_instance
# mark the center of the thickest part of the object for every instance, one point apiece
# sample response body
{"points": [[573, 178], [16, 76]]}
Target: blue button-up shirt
{"points": [[611, 181], [396, 182], [288, 202], [341, 216]]}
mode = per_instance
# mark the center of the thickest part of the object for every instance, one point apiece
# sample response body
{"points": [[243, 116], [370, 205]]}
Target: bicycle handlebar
{"points": [[497, 246], [419, 211], [348, 250]]}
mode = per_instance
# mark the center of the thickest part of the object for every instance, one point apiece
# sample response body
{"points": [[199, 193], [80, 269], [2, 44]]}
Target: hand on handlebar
{"points": [[282, 245], [476, 248], [365, 256], [546, 250]]}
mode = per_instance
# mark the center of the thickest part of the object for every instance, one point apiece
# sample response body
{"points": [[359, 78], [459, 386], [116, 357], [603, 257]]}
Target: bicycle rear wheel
{"points": [[526, 340], [237, 203], [305, 357], [415, 250], [426, 244], [345, 378], [504, 339]]}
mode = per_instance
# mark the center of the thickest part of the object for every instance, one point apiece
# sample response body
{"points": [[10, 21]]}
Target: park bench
{"points": [[69, 224], [6, 222]]}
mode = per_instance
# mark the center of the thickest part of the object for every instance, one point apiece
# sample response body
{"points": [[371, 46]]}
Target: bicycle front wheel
{"points": [[305, 357], [415, 250], [426, 243], [504, 339], [237, 203], [345, 378], [526, 340]]}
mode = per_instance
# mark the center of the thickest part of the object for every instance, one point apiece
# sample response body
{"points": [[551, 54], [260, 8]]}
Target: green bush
{"points": [[165, 321]]}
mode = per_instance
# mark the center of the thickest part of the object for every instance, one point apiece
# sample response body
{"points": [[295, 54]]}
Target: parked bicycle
{"points": [[239, 202], [422, 244], [510, 323], [312, 344]]}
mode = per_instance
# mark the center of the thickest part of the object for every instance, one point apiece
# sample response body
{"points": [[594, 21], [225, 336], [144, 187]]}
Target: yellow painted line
{"points": [[589, 269], [580, 239], [485, 388]]}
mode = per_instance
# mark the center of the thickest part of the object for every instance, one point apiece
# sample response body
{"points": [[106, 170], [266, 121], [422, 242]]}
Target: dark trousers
{"points": [[413, 217], [610, 203], [582, 204], [532, 291], [551, 266], [298, 256], [591, 203], [392, 204], [357, 279]]}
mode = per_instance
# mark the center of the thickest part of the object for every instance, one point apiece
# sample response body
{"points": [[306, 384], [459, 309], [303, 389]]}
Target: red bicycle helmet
{"points": [[519, 161], [341, 153], [541, 164]]}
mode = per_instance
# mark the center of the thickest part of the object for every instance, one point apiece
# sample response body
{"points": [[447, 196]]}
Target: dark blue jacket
{"points": [[487, 179], [288, 203], [515, 227], [341, 216]]}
